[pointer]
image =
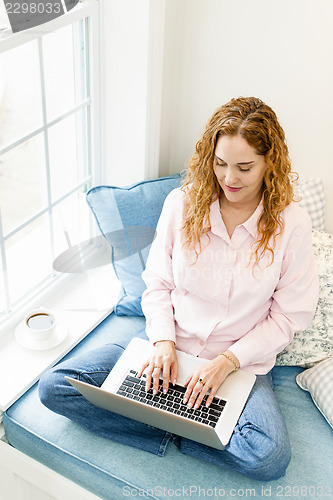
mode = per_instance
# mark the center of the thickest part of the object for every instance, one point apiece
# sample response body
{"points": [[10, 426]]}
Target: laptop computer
{"points": [[124, 393]]}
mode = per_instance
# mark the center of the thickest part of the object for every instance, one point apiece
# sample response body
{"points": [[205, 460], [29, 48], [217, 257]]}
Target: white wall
{"points": [[124, 62], [278, 50], [132, 42]]}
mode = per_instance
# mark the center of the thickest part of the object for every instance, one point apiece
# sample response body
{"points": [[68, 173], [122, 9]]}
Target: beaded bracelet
{"points": [[230, 359]]}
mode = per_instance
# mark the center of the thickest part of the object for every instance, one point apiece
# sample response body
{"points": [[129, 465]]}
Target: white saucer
{"points": [[58, 336]]}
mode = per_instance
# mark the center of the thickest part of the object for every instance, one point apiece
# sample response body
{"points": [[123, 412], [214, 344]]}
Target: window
{"points": [[48, 130]]}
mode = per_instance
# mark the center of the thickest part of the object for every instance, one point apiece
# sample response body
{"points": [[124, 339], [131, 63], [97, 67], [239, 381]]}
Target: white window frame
{"points": [[86, 9]]}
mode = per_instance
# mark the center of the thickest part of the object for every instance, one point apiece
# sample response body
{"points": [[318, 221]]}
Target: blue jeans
{"points": [[259, 446]]}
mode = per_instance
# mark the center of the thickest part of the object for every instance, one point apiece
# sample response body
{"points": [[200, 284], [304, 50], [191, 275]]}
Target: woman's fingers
{"points": [[205, 381], [160, 364], [149, 373], [193, 389], [211, 396], [166, 376], [156, 377], [174, 372], [170, 372], [143, 367]]}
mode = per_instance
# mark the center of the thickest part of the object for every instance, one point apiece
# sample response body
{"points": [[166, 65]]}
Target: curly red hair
{"points": [[257, 123]]}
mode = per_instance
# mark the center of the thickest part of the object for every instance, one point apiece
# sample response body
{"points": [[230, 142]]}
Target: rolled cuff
{"points": [[158, 329]]}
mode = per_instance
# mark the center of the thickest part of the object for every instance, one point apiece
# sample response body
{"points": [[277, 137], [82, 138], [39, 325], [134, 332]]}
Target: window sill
{"points": [[81, 304]]}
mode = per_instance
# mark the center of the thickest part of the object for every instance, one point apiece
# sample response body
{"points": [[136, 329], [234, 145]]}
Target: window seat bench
{"points": [[112, 471]]}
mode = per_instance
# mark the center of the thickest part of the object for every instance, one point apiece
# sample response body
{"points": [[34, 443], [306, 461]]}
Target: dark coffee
{"points": [[40, 321]]}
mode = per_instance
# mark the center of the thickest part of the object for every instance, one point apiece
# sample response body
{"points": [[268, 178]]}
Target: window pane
{"points": [[63, 87], [67, 163], [4, 21], [29, 258], [22, 182], [36, 173], [2, 289], [21, 107], [72, 227]]}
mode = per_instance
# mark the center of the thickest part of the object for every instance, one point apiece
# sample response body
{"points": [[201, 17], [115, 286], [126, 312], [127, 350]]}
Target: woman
{"points": [[230, 277]]}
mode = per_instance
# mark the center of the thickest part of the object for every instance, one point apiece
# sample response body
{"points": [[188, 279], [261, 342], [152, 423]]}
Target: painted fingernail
{"points": [[164, 391], [185, 400], [154, 392], [196, 406], [190, 405]]}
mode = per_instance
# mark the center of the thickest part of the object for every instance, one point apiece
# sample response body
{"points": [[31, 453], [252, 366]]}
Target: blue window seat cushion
{"points": [[111, 470], [127, 218]]}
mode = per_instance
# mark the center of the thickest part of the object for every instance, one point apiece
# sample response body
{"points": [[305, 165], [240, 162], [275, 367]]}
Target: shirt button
{"points": [[201, 342]]}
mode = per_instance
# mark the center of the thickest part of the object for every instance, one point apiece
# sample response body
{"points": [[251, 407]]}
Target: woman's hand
{"points": [[164, 358], [209, 376]]}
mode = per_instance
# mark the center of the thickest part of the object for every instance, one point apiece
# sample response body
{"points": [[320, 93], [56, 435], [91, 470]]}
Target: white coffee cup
{"points": [[40, 323]]}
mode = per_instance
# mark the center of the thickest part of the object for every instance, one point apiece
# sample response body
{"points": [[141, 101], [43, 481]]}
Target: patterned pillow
{"points": [[316, 342], [313, 201], [319, 382]]}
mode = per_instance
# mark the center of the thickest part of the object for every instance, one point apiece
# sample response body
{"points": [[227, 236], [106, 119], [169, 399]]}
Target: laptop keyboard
{"points": [[133, 387]]}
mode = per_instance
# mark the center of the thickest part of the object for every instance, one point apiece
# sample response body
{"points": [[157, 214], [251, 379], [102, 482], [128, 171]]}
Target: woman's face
{"points": [[239, 170]]}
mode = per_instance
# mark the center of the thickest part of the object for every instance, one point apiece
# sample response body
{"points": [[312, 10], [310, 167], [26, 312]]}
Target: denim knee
{"points": [[51, 388], [92, 367], [271, 463]]}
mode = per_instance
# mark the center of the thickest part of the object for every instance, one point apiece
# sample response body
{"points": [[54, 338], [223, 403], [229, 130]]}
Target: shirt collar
{"points": [[250, 224]]}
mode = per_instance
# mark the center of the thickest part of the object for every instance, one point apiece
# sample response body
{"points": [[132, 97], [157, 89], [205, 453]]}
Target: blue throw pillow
{"points": [[127, 218]]}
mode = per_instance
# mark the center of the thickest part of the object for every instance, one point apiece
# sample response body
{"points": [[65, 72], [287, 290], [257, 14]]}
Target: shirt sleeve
{"points": [[292, 305], [158, 276]]}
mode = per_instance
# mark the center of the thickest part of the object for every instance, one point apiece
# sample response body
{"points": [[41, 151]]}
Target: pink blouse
{"points": [[220, 301]]}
